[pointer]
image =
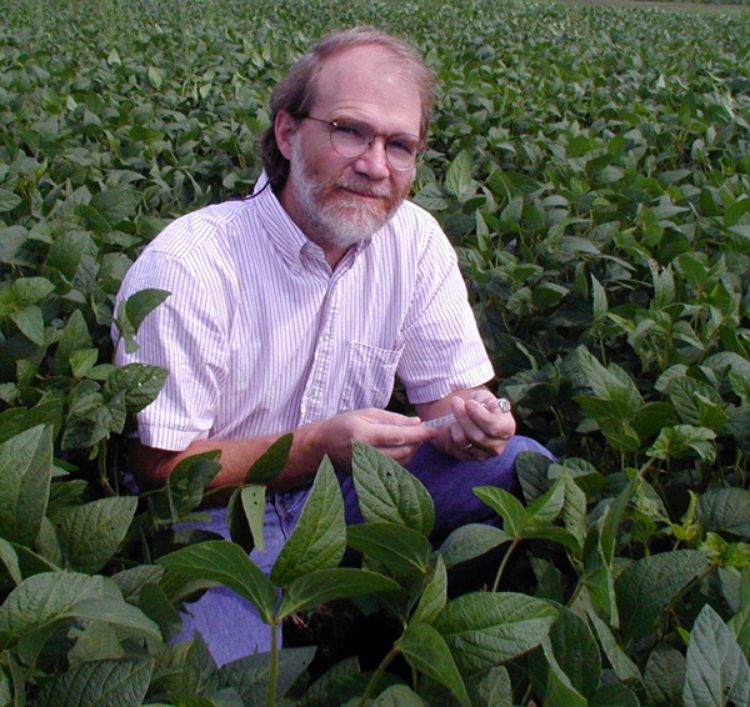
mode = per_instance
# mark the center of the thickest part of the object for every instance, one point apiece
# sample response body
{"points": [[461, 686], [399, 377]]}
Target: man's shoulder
{"points": [[209, 229]]}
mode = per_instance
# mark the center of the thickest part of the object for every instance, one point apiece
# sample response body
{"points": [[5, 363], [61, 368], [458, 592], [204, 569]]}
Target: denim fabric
{"points": [[231, 626]]}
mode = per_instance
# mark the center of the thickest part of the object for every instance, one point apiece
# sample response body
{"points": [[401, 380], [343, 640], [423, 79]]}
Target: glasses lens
{"points": [[348, 141], [401, 151]]}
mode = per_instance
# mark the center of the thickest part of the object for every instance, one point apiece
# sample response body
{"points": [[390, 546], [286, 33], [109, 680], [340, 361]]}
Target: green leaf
{"points": [[624, 667], [155, 77], [397, 696], [91, 534], [458, 179], [716, 668], [25, 475], [8, 200], [434, 595], [426, 651], [682, 441], [403, 550], [319, 540], [140, 383], [104, 682], [613, 693], [271, 463], [560, 690], [647, 586], [253, 499], [469, 541], [389, 493], [30, 322], [507, 506], [320, 586], [43, 601], [576, 651], [139, 305], [218, 561], [495, 687], [665, 676], [9, 558], [184, 489], [116, 204], [250, 676], [544, 509], [597, 577], [725, 510], [131, 581], [486, 628]]}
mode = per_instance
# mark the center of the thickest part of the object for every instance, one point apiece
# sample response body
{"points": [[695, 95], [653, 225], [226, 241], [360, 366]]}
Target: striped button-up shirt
{"points": [[261, 336]]}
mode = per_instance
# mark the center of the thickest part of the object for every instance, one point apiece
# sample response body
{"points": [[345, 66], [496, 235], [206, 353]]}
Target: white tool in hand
{"points": [[502, 404]]}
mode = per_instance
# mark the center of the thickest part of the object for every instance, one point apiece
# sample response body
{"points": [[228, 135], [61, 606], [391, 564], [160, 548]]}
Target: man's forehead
{"points": [[369, 74]]}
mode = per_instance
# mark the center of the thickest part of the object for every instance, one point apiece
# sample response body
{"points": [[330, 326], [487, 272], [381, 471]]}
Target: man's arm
{"points": [[481, 429], [395, 435]]}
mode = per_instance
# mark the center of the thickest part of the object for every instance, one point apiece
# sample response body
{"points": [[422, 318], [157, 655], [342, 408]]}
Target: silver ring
{"points": [[503, 405], [468, 446]]}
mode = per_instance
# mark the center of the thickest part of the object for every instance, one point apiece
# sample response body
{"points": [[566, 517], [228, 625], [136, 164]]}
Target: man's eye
{"points": [[347, 131], [402, 146]]}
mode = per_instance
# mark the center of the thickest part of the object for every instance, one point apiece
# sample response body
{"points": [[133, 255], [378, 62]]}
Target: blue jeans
{"points": [[231, 626]]}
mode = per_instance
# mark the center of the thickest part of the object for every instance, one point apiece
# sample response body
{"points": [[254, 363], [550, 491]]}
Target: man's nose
{"points": [[373, 161]]}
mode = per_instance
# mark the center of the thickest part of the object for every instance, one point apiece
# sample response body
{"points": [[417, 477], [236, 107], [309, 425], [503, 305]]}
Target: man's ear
{"points": [[284, 127]]}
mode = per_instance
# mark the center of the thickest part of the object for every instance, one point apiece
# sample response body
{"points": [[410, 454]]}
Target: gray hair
{"points": [[295, 93]]}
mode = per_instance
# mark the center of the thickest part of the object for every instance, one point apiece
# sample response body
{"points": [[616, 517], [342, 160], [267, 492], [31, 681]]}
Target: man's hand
{"points": [[481, 429], [395, 435]]}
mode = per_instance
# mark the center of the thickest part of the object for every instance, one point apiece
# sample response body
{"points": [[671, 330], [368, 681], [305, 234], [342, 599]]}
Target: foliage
{"points": [[591, 166]]}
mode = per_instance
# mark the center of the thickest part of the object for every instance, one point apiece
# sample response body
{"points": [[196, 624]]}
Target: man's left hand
{"points": [[481, 429]]}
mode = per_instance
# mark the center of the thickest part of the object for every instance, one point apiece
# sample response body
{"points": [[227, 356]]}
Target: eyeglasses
{"points": [[401, 149]]}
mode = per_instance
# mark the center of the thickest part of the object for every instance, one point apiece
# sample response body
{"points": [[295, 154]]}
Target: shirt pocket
{"points": [[370, 375]]}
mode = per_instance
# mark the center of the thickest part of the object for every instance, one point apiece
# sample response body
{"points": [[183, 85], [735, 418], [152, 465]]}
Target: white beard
{"points": [[340, 221]]}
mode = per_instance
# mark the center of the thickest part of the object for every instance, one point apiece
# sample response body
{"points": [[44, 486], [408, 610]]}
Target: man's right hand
{"points": [[397, 436]]}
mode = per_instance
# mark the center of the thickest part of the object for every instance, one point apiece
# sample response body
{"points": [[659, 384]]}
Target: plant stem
{"points": [[503, 563], [378, 674], [274, 664]]}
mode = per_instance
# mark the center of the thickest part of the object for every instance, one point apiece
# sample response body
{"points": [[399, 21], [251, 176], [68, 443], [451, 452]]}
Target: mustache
{"points": [[363, 187]]}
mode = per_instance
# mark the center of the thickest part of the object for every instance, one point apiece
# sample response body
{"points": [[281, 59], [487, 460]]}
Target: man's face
{"points": [[338, 200]]}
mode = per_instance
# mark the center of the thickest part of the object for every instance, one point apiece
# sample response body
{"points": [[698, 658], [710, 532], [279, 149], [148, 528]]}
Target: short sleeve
{"points": [[443, 348], [186, 334]]}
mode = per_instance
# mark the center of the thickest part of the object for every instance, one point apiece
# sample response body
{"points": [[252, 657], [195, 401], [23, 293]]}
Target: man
{"points": [[294, 309]]}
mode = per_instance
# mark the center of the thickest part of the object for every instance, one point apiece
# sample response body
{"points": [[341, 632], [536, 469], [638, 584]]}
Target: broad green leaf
{"points": [[458, 180], [665, 676], [91, 534], [271, 463], [116, 204], [9, 558], [680, 441], [621, 663], [531, 469], [155, 77], [740, 627], [560, 690], [725, 510], [485, 629], [507, 506], [716, 670], [495, 687], [104, 682], [94, 640], [131, 581], [598, 578], [250, 676], [8, 200], [25, 474], [545, 509], [613, 693], [154, 603], [646, 588], [184, 489], [319, 586], [434, 596], [319, 540], [218, 561], [139, 382], [469, 541], [398, 696], [43, 601], [254, 507], [574, 509], [389, 493], [403, 550], [139, 305], [30, 322], [426, 651]]}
